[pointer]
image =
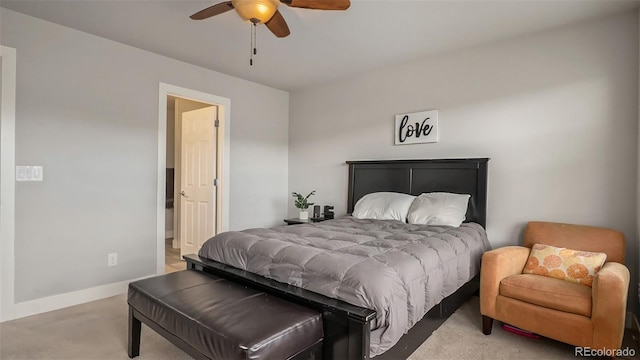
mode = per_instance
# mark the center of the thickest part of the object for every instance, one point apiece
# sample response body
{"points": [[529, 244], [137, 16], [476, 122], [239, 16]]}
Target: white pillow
{"points": [[439, 208], [383, 206]]}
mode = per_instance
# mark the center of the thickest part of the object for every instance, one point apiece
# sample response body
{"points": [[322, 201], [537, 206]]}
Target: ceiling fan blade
{"points": [[212, 10], [319, 4], [278, 26]]}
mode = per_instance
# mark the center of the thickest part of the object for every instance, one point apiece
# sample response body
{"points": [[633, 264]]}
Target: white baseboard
{"points": [[168, 234], [55, 302]]}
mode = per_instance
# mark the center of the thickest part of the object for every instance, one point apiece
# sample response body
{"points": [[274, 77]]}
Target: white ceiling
{"points": [[323, 45]]}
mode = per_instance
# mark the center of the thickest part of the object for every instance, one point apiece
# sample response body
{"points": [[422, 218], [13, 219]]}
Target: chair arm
{"points": [[496, 265], [609, 295]]}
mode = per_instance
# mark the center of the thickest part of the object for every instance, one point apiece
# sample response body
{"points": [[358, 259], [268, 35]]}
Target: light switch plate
{"points": [[21, 173], [29, 173], [37, 173]]}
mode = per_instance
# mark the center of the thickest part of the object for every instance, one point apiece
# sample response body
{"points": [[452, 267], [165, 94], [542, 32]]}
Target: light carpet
{"points": [[98, 330], [461, 337]]}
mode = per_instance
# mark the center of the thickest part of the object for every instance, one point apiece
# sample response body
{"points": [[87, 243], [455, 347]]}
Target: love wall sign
{"points": [[417, 128]]}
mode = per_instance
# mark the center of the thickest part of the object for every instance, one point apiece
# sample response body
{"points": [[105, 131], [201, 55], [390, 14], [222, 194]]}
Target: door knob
{"points": [[183, 194]]}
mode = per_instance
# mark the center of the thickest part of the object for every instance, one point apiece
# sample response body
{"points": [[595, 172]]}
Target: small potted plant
{"points": [[302, 203]]}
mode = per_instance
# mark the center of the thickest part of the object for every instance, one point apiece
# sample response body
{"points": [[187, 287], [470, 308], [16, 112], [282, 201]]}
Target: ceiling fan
{"points": [[266, 11]]}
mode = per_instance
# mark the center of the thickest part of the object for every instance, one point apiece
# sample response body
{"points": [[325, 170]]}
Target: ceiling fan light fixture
{"points": [[256, 11]]}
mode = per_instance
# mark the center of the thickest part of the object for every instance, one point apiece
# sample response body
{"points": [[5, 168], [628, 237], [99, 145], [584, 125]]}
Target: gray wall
{"points": [[171, 132], [87, 110], [557, 113]]}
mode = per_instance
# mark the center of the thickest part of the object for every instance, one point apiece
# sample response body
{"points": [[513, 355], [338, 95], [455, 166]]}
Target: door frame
{"points": [[7, 182], [224, 114]]}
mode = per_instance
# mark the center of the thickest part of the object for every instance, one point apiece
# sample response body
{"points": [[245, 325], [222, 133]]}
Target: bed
{"points": [[374, 280]]}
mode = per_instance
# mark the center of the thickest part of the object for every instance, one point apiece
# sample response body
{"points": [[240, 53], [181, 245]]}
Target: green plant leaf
{"points": [[302, 202]]}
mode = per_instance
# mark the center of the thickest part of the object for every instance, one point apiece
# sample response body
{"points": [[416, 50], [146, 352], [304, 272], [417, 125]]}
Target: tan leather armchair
{"points": [[572, 313]]}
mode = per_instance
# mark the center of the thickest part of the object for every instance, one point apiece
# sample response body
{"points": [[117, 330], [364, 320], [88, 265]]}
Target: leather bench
{"points": [[212, 318]]}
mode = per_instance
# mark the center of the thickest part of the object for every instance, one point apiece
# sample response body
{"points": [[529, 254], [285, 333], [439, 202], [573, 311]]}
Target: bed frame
{"points": [[346, 326]]}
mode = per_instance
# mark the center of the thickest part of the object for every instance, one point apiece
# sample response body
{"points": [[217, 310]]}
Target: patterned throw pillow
{"points": [[565, 264]]}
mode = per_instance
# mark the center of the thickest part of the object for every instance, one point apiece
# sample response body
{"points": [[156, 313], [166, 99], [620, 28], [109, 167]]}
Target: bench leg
{"points": [[135, 327]]}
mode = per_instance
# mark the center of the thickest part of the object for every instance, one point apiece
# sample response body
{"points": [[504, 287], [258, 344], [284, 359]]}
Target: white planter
{"points": [[303, 215]]}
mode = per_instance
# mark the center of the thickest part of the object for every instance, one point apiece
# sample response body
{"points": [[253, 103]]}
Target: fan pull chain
{"points": [[254, 40]]}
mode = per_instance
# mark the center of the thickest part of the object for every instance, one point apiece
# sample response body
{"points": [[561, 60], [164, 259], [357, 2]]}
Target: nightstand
{"points": [[296, 221]]}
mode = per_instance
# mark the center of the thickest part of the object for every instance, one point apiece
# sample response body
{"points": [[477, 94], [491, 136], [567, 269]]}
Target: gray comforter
{"points": [[400, 270]]}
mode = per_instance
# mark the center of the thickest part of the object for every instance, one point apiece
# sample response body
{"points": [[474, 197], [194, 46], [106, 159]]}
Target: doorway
{"points": [[193, 164]]}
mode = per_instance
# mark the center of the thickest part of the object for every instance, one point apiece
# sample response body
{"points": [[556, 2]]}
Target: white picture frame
{"points": [[416, 128]]}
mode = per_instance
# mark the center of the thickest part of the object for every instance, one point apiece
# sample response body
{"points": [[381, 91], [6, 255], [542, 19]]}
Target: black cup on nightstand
{"points": [[328, 212]]}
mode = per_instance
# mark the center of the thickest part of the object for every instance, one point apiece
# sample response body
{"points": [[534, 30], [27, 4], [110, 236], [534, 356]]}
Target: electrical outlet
{"points": [[112, 259]]}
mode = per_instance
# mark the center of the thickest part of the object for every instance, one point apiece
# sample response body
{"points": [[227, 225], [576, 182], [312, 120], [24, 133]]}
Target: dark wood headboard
{"points": [[461, 176]]}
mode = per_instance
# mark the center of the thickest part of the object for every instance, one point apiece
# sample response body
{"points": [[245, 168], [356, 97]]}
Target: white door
{"points": [[198, 171]]}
